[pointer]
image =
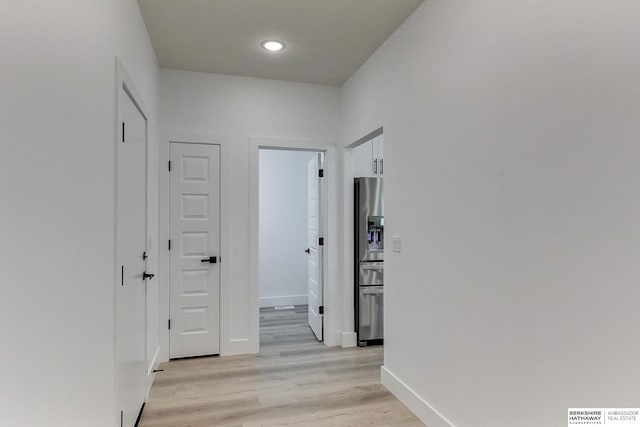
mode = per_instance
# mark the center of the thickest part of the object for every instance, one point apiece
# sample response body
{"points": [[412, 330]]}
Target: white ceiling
{"points": [[327, 40]]}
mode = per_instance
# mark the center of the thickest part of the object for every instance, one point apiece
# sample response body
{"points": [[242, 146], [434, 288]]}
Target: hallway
{"points": [[295, 381]]}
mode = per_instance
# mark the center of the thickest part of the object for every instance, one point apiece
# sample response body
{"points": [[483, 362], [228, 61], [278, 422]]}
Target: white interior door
{"points": [[314, 280], [194, 253], [131, 241]]}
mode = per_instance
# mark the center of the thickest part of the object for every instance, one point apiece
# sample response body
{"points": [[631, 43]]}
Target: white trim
{"points": [[348, 339], [151, 376], [153, 365], [348, 303], [284, 300], [420, 407], [227, 345], [332, 291]]}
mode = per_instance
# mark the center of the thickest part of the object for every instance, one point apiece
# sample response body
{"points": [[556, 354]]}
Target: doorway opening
{"points": [[291, 243], [367, 189]]}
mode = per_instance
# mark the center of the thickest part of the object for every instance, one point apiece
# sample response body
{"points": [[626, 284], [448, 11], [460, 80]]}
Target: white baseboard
{"points": [[411, 400], [283, 300], [348, 339]]}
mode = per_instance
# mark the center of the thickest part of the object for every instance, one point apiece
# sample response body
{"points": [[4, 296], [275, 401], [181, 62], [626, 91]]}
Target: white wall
{"points": [[57, 183], [515, 126], [242, 108], [283, 227]]}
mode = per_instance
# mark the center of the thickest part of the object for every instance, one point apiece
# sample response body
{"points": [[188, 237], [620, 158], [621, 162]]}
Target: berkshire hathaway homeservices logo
{"points": [[620, 417]]}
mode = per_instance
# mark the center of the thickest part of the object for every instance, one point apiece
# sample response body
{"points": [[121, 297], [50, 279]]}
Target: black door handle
{"points": [[146, 276], [211, 259], [308, 250]]}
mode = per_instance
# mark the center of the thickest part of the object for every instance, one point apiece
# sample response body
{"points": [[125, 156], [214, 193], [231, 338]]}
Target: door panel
{"points": [[381, 155], [131, 241], [371, 273], [195, 236], [371, 312], [315, 250], [363, 157]]}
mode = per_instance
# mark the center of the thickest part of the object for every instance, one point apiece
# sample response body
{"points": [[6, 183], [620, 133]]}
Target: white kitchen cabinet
{"points": [[380, 148], [368, 158], [363, 159]]}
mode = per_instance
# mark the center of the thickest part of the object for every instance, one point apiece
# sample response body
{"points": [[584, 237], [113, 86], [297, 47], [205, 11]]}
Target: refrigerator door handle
{"points": [[366, 266], [372, 291]]}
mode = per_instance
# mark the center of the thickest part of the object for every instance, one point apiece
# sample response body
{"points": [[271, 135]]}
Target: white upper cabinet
{"points": [[368, 158], [363, 159], [380, 147]]}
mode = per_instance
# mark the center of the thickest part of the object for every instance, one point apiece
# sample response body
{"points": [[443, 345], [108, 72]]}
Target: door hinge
{"points": [[321, 309], [169, 244], [122, 276], [321, 241], [321, 173], [122, 131], [169, 324], [169, 165]]}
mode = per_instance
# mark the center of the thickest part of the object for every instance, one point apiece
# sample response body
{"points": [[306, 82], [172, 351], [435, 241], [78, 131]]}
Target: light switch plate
{"points": [[397, 244]]}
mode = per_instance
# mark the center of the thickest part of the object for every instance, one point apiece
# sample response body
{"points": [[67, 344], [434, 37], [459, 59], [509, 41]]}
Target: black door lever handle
{"points": [[211, 259], [146, 276], [308, 250]]}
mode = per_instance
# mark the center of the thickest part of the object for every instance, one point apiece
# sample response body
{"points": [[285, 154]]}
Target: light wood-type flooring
{"points": [[293, 381]]}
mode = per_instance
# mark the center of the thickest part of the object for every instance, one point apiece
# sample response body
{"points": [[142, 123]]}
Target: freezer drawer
{"points": [[371, 273], [370, 313]]}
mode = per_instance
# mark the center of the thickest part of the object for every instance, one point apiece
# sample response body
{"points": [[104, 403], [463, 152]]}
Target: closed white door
{"points": [[314, 280], [131, 237], [195, 250]]}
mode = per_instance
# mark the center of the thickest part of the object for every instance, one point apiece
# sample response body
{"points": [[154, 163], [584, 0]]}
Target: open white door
{"points": [[131, 243], [194, 251], [314, 250]]}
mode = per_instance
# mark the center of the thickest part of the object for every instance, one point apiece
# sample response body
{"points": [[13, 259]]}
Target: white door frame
{"points": [[332, 296], [349, 338], [226, 344]]}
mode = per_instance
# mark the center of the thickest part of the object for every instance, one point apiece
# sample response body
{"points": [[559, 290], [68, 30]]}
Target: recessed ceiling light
{"points": [[273, 45]]}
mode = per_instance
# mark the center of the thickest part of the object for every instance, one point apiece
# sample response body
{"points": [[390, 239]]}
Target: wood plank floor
{"points": [[293, 381]]}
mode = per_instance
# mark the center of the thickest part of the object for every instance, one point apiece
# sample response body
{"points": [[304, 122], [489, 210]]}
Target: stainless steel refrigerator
{"points": [[369, 260]]}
